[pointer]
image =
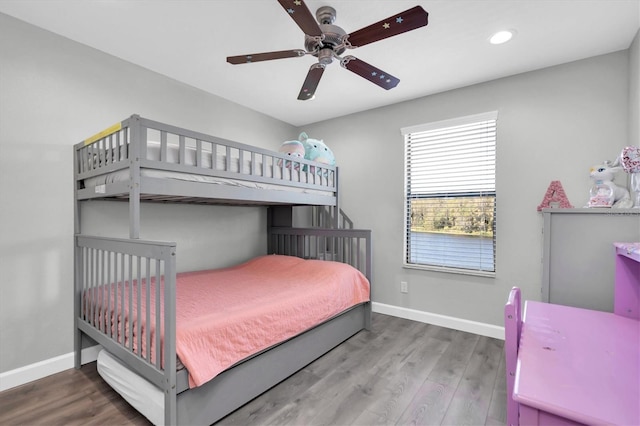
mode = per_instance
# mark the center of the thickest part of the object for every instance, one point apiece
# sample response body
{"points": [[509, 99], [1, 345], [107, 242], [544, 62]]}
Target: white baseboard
{"points": [[482, 329], [39, 370]]}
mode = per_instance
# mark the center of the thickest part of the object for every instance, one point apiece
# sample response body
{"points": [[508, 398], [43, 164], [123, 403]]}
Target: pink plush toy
{"points": [[293, 149]]}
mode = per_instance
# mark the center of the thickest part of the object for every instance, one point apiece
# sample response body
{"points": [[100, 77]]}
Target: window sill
{"points": [[447, 270]]}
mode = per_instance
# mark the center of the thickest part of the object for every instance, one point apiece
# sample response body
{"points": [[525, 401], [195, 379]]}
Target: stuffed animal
{"points": [[604, 192], [293, 149], [316, 150]]}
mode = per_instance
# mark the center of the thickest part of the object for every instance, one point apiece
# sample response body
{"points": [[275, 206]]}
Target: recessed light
{"points": [[502, 37]]}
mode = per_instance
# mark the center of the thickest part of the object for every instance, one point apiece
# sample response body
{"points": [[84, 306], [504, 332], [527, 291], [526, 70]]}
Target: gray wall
{"points": [[553, 124], [53, 94], [634, 91]]}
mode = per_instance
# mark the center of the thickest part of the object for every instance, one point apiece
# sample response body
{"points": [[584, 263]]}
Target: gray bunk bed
{"points": [[139, 160]]}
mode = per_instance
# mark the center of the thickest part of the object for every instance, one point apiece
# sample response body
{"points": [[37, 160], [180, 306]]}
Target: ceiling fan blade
{"points": [[397, 24], [311, 82], [267, 56], [300, 13], [371, 73]]}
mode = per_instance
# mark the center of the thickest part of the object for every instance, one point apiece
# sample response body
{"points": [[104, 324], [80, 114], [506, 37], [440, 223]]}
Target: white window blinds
{"points": [[450, 194]]}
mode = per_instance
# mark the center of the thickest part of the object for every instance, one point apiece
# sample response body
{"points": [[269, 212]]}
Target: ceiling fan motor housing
{"points": [[333, 35], [332, 40]]}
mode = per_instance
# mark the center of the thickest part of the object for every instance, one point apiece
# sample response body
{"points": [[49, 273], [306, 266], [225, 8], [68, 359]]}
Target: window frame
{"points": [[405, 131]]}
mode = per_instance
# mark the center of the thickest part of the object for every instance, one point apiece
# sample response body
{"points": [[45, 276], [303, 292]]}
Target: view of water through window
{"points": [[446, 250]]}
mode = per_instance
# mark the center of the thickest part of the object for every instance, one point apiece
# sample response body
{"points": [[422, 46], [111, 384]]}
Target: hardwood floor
{"points": [[401, 372]]}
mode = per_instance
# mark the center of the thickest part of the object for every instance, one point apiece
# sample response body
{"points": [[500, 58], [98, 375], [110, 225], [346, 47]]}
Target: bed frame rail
{"points": [[125, 145], [351, 246], [111, 279]]}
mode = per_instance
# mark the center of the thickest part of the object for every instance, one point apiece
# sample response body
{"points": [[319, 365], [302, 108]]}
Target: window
{"points": [[450, 195]]}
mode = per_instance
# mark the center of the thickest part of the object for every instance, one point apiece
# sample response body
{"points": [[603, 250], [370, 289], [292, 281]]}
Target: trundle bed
{"points": [[191, 347]]}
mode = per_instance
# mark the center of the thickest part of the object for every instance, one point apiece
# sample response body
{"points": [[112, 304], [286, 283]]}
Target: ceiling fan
{"points": [[327, 42]]}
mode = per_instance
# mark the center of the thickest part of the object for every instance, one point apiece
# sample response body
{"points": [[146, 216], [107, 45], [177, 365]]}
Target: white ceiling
{"points": [[189, 41]]}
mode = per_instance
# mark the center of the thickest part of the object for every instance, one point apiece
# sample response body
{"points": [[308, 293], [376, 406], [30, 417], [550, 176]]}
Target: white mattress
{"points": [[140, 393], [153, 153]]}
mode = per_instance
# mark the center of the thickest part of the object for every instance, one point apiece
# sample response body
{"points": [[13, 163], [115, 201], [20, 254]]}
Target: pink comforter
{"points": [[226, 315]]}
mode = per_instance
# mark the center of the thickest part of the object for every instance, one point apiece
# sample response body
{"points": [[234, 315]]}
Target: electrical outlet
{"points": [[404, 287]]}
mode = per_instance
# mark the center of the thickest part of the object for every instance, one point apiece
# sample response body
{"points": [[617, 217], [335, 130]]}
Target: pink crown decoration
{"points": [[555, 197]]}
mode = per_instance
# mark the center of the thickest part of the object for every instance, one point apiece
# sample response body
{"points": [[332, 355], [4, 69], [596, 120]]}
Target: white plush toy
{"points": [[605, 193]]}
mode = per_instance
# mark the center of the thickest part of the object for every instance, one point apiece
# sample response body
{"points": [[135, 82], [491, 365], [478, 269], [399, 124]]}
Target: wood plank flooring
{"points": [[401, 372]]}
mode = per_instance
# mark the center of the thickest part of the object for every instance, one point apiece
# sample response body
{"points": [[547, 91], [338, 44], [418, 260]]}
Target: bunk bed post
{"points": [[137, 133], [277, 216], [336, 209], [170, 374], [77, 294], [281, 216], [369, 274], [76, 186], [77, 334]]}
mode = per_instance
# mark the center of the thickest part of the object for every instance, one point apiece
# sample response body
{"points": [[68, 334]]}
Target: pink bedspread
{"points": [[226, 315]]}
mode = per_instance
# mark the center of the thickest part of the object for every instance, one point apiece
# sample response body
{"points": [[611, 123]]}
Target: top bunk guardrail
{"points": [[156, 161]]}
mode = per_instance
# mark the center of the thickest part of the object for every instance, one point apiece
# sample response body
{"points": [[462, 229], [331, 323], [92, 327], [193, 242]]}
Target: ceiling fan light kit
{"points": [[327, 42]]}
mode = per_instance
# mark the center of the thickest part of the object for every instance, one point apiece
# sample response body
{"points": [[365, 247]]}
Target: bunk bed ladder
{"points": [[325, 217]]}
